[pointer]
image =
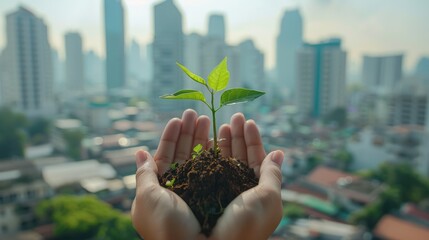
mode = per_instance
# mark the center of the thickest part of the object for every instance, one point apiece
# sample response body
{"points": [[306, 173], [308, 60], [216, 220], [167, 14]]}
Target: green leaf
{"points": [[239, 95], [170, 183], [219, 77], [174, 165], [198, 148], [192, 75], [186, 95]]}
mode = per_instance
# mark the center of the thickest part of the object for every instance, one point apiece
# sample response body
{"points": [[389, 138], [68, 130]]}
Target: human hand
{"points": [[158, 213], [255, 213]]}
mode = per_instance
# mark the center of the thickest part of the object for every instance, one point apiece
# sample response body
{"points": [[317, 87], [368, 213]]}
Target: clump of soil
{"points": [[208, 183]]}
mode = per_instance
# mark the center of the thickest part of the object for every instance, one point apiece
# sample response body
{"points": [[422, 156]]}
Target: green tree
{"points": [[293, 211], [85, 217], [12, 135], [73, 139], [403, 185], [312, 162], [38, 131], [343, 159]]}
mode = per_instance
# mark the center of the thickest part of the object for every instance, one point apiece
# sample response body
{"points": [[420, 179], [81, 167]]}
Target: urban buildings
{"points": [[74, 61], [251, 73], [289, 41], [115, 45], [27, 82], [381, 73], [407, 104], [135, 62], [167, 50], [321, 73]]}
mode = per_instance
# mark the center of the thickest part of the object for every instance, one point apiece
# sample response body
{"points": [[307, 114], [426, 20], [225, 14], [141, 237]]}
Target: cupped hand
{"points": [[158, 213], [255, 213]]}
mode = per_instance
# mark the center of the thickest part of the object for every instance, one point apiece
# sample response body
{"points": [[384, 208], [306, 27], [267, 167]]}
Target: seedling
{"points": [[174, 165], [197, 151], [170, 183], [217, 81]]}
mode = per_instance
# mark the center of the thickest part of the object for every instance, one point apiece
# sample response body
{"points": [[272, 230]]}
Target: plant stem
{"points": [[214, 122]]}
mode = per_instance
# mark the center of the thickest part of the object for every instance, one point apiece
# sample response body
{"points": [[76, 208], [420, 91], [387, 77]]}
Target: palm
{"points": [[156, 209], [260, 207], [161, 214]]}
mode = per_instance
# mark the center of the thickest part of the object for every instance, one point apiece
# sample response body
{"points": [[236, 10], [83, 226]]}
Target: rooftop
{"points": [[393, 228], [329, 176]]}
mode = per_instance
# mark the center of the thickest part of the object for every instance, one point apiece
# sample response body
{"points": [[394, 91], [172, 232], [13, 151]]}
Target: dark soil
{"points": [[208, 184]]}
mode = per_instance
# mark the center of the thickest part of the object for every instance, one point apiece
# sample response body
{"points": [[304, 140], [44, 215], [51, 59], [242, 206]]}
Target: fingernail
{"points": [[141, 158], [277, 157]]}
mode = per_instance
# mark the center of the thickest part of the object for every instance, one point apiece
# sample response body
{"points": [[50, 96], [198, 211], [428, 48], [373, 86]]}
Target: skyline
{"points": [[366, 27]]}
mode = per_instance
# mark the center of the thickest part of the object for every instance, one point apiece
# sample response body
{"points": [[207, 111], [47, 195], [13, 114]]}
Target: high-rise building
{"points": [[3, 76], [422, 69], [381, 73], [251, 73], [321, 75], [94, 71], [115, 45], [134, 63], [192, 60], [407, 104], [75, 79], [167, 50], [28, 85], [58, 74], [214, 47], [289, 41], [216, 28]]}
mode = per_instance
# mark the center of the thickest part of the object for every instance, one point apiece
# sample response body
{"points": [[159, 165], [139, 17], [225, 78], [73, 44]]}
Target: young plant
{"points": [[217, 81], [197, 151]]}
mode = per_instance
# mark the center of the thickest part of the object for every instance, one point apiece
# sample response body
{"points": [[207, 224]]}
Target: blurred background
{"points": [[347, 86]]}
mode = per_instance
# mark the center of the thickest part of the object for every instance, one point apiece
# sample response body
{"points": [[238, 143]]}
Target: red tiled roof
{"points": [[327, 176], [412, 210], [393, 228], [296, 188]]}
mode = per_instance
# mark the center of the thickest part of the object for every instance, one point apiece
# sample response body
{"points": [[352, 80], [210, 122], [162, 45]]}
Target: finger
{"points": [[164, 155], [146, 174], [270, 172], [202, 130], [184, 144], [238, 144], [255, 148], [225, 140]]}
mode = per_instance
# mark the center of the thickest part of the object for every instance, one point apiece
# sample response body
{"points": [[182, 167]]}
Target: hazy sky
{"points": [[366, 26]]}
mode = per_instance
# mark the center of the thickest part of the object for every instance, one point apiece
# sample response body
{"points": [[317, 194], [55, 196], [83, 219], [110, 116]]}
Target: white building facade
{"points": [[27, 85], [321, 75]]}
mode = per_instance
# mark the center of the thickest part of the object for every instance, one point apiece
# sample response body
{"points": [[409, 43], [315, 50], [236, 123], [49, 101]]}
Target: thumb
{"points": [[271, 175], [147, 170]]}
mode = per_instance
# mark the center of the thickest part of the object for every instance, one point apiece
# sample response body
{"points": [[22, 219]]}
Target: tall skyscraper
{"points": [[214, 45], [407, 103], [28, 85], [422, 69], [216, 27], [134, 63], [58, 74], [192, 60], [381, 73], [94, 71], [289, 41], [251, 72], [321, 75], [3, 76], [115, 45], [167, 50], [75, 79]]}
